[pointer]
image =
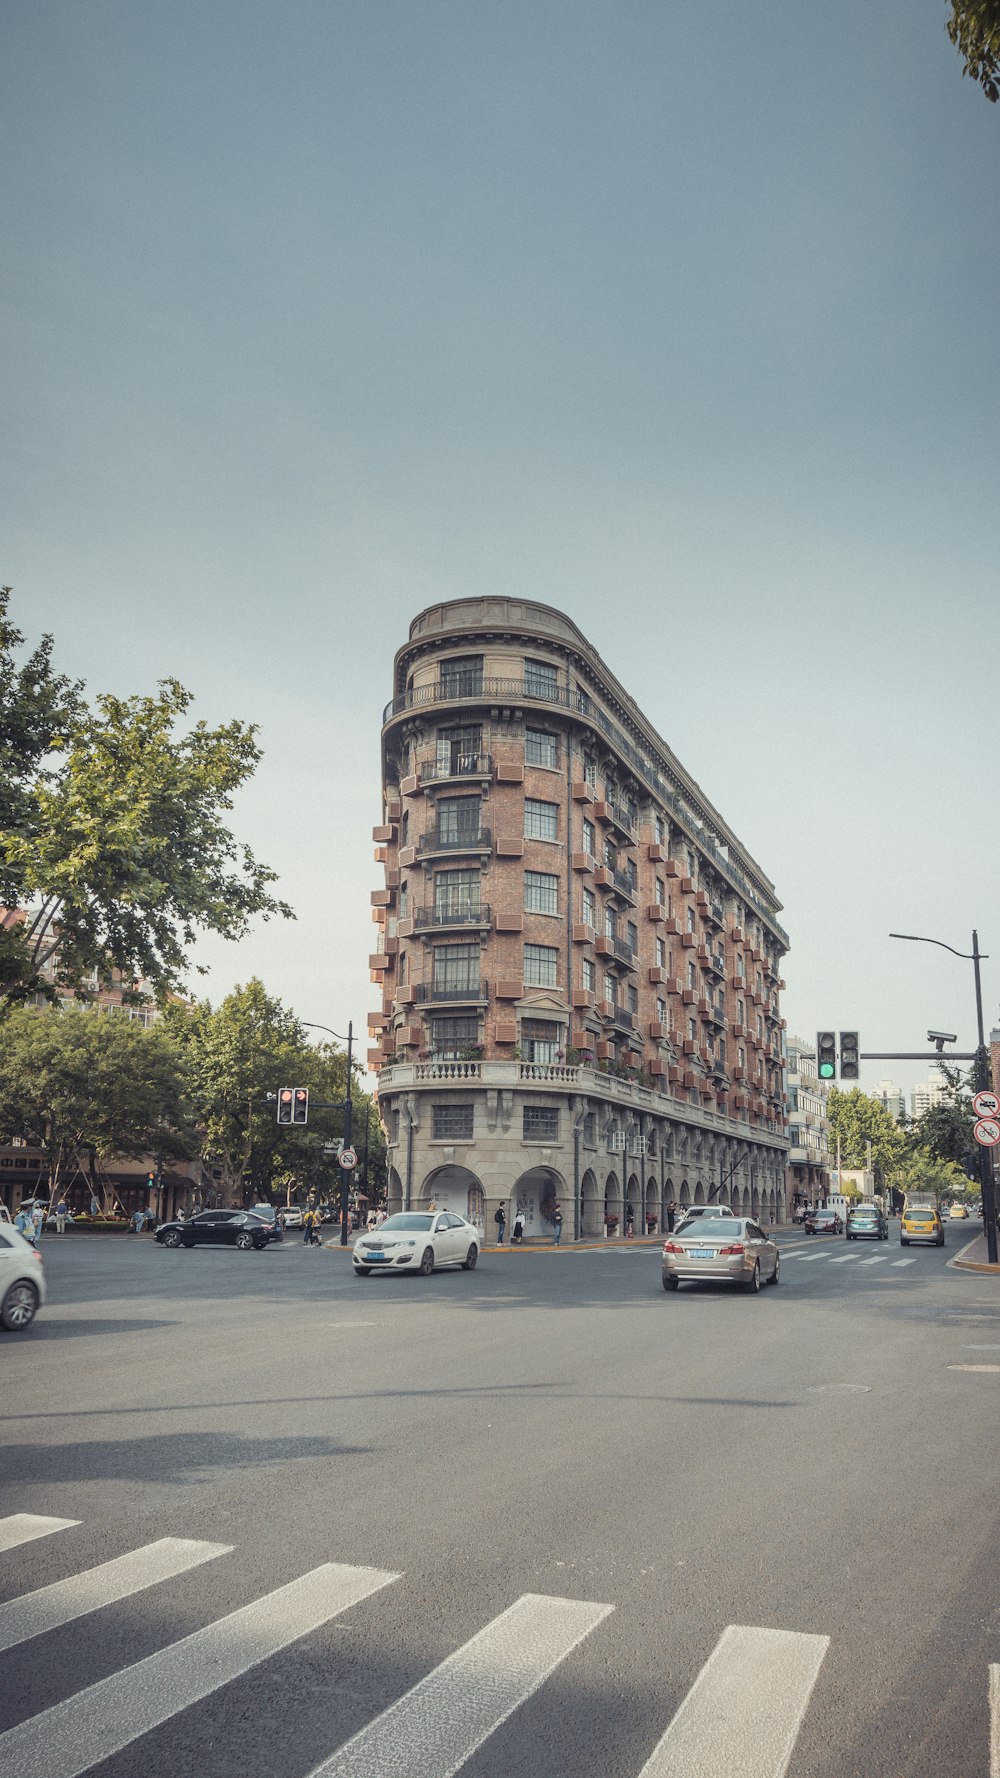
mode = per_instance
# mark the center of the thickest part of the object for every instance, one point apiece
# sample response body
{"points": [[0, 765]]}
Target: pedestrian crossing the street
{"points": [[741, 1716]]}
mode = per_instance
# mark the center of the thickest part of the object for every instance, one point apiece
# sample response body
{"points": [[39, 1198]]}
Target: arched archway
{"points": [[779, 1204], [455, 1189], [755, 1203], [745, 1206], [685, 1197], [699, 1193], [613, 1204], [591, 1206], [634, 1205], [652, 1222], [393, 1192], [535, 1195]]}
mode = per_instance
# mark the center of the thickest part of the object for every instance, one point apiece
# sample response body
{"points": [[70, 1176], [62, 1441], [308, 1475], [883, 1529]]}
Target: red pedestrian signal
{"points": [[285, 1105], [300, 1107]]}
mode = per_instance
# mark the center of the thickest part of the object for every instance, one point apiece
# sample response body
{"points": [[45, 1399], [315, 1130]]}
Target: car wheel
{"points": [[671, 1283], [361, 1271], [753, 1282], [17, 1311], [469, 1262], [172, 1240], [244, 1241], [776, 1274], [427, 1263]]}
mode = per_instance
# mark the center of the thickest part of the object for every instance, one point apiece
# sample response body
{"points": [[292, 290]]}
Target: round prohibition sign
{"points": [[987, 1132], [986, 1104], [348, 1158]]}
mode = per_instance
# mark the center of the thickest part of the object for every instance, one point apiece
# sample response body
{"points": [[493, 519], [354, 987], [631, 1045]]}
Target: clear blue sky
{"points": [[683, 320]]}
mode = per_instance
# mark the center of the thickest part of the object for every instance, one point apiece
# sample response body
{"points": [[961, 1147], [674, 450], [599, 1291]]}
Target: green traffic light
{"points": [[826, 1071]]}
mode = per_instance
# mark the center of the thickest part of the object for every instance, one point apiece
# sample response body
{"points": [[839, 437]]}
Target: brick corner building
{"points": [[579, 962]]}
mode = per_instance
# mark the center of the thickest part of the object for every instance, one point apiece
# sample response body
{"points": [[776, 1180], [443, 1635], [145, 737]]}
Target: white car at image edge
{"points": [[417, 1241], [22, 1282]]}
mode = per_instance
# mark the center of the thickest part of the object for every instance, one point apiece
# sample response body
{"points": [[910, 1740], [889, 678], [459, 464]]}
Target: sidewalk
{"points": [[972, 1257]]}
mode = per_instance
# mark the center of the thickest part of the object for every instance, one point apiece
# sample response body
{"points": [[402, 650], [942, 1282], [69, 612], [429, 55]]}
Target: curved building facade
{"points": [[579, 961]]}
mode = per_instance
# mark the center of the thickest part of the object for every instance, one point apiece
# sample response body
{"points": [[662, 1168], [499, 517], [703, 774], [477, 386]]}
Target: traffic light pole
{"points": [[344, 1171]]}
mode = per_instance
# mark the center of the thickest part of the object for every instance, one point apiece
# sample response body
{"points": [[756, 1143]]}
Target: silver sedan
{"points": [[726, 1251]]}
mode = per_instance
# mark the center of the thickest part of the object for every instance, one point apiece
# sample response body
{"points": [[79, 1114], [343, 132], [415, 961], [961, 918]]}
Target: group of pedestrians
{"points": [[517, 1228], [30, 1221]]}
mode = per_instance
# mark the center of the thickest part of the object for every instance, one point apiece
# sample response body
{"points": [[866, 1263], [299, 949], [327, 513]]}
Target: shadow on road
{"points": [[174, 1457]]}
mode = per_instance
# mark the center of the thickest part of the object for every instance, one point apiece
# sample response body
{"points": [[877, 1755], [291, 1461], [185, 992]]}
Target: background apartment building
{"points": [[580, 963], [926, 1094], [808, 1126], [891, 1098]]}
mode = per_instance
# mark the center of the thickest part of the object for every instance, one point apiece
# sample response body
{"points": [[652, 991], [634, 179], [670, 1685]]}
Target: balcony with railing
{"points": [[450, 994], [476, 840], [458, 766], [622, 1018], [625, 885], [439, 919], [624, 951]]}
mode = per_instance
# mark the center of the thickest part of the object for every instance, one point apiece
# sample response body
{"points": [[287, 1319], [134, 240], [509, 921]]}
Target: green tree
{"points": [[113, 837], [859, 1120], [919, 1170], [236, 1054], [974, 29], [945, 1130], [89, 1089]]}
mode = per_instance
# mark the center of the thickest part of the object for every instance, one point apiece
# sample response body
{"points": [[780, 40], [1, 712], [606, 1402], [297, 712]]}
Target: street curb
{"points": [[971, 1265]]}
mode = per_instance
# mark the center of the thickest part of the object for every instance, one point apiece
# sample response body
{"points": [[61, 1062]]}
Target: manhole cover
{"points": [[839, 1389]]}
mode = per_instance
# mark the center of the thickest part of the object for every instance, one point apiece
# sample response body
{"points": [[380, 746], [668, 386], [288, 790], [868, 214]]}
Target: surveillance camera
{"points": [[941, 1037]]}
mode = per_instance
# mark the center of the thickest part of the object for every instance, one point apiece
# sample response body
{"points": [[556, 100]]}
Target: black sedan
{"points": [[867, 1222], [216, 1228]]}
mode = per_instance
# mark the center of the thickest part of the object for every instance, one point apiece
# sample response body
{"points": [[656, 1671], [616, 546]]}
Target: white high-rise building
{"points": [[932, 1092], [891, 1098]]}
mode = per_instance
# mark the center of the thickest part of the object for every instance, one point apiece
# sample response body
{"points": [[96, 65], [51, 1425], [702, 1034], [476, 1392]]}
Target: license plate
{"points": [[376, 1259], [701, 1252]]}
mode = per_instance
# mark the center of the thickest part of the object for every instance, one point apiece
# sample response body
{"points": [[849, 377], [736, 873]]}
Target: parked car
{"points": [[823, 1222], [867, 1222], [418, 1241], [727, 1250], [216, 1228], [22, 1281], [268, 1216], [921, 1224]]}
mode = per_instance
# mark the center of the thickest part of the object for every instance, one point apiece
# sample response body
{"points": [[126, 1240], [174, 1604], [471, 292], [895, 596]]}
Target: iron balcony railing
{"points": [[623, 950], [626, 884], [457, 916], [462, 765], [566, 697], [624, 1019], [472, 992], [480, 840]]}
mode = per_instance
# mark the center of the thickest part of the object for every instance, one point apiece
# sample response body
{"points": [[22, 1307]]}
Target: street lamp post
{"points": [[975, 956], [344, 1185]]}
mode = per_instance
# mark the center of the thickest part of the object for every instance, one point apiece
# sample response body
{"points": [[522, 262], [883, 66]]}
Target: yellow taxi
{"points": [[959, 1213], [922, 1223]]}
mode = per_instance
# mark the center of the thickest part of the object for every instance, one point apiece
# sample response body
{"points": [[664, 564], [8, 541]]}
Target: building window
{"points": [[741, 1056], [588, 975], [588, 836], [456, 893], [539, 1040], [661, 893], [541, 1123], [459, 818], [451, 1037], [590, 771], [691, 975], [692, 1029], [459, 749], [660, 829], [611, 988], [541, 749], [452, 1123], [740, 1012], [540, 963], [661, 1011], [690, 919], [539, 680], [462, 677], [633, 997], [633, 937], [456, 970], [541, 820], [610, 922], [403, 967], [393, 1121], [541, 893], [589, 908], [661, 954], [590, 1130]]}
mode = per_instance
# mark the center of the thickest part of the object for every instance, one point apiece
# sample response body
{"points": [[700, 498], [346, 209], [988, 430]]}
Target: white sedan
{"points": [[22, 1285], [417, 1241]]}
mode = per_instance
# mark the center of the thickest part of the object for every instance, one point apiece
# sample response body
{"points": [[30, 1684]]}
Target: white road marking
{"points": [[994, 1368], [66, 1600], [25, 1527], [821, 1253], [995, 1722], [73, 1736], [902, 1262], [841, 1259], [875, 1260], [438, 1725], [743, 1713]]}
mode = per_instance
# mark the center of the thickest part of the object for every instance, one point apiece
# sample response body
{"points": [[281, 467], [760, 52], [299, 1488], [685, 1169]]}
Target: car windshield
{"points": [[413, 1223], [702, 1232], [862, 1216]]}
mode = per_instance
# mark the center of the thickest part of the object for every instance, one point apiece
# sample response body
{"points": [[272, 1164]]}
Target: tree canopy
{"points": [[974, 29], [114, 844], [858, 1119]]}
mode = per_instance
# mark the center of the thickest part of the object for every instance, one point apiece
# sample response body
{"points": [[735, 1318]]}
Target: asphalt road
{"points": [[806, 1465]]}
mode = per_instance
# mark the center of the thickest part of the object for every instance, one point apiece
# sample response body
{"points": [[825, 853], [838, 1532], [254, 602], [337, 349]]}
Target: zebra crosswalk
{"points": [[844, 1259], [741, 1716]]}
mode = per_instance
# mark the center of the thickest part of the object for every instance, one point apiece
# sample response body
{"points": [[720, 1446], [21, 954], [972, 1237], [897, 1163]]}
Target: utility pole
{"points": [[345, 1178]]}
